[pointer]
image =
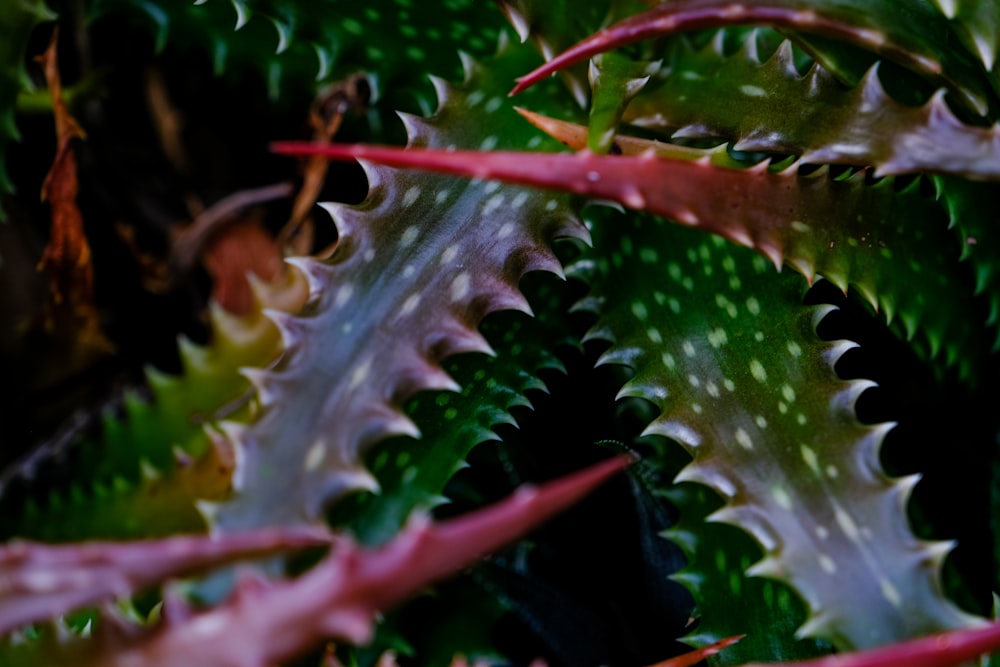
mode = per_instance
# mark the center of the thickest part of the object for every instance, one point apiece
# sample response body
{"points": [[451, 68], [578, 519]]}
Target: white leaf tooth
{"points": [[398, 423], [417, 128], [948, 7], [784, 58], [506, 297], [818, 625], [634, 86], [570, 227], [434, 378], [675, 430], [263, 383], [317, 274], [593, 70], [442, 89], [544, 260], [291, 327], [986, 50], [933, 554], [242, 13], [769, 567], [773, 253], [902, 489], [284, 35], [460, 339], [209, 511], [869, 448], [717, 45], [469, 65], [819, 314], [323, 61], [340, 216], [192, 355], [749, 47], [517, 21]]}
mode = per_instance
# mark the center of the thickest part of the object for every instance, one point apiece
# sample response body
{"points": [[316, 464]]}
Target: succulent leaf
{"points": [[706, 93], [42, 582], [264, 623], [144, 474], [749, 390], [910, 33], [841, 228], [412, 475], [418, 265], [768, 612]]}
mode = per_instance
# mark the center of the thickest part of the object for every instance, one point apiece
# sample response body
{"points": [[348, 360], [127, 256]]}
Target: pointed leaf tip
{"points": [[948, 649]]}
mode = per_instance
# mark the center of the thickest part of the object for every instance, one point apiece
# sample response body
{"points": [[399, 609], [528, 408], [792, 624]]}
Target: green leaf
{"points": [[723, 346], [412, 474], [910, 32], [706, 93]]}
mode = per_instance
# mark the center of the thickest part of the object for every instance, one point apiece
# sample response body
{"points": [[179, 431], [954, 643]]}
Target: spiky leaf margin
{"points": [[418, 265], [706, 93], [749, 390]]}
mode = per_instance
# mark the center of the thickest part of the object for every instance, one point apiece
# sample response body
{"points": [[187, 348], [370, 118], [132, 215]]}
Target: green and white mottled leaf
{"points": [[417, 266], [723, 346]]}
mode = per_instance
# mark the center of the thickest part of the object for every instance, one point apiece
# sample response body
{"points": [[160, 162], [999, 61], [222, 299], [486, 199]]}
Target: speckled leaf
{"points": [[854, 234], [267, 623], [910, 32], [397, 41], [417, 266], [17, 20], [412, 475], [743, 382], [729, 601], [706, 93], [42, 582]]}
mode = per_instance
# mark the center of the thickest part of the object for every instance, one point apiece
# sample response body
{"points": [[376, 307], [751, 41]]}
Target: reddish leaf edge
{"points": [[688, 15], [692, 658], [268, 622], [601, 177], [42, 581], [947, 649]]}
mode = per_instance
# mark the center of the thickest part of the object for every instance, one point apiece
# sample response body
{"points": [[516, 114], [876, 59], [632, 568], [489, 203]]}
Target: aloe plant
{"points": [[750, 242]]}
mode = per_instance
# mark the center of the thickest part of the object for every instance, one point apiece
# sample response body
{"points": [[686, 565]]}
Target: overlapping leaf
{"points": [[841, 228], [912, 33], [745, 385], [143, 476], [706, 93], [412, 475], [418, 264], [266, 623], [729, 601]]}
